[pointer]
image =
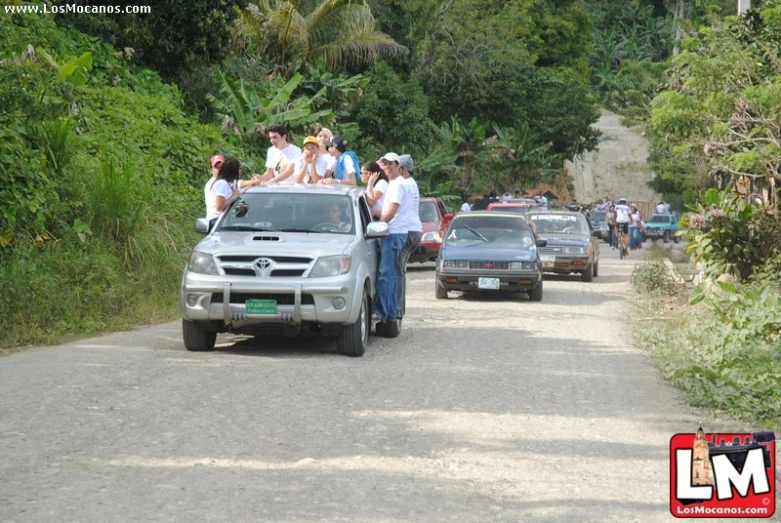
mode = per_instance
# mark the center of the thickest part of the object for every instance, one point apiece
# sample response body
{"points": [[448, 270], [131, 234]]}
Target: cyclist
{"points": [[623, 219]]}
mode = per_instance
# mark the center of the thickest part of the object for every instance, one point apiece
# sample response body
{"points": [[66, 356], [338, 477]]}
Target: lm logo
{"points": [[722, 475]]}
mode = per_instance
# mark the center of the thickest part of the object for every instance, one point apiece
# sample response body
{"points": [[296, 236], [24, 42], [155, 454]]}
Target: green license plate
{"points": [[261, 306]]}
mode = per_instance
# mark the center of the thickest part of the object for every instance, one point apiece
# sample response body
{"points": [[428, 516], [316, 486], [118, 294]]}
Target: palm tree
{"points": [[295, 33]]}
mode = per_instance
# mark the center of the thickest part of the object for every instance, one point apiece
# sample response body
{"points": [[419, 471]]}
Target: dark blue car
{"points": [[490, 252]]}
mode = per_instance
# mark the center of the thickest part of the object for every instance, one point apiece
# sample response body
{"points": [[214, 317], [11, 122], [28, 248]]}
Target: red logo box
{"points": [[727, 475]]}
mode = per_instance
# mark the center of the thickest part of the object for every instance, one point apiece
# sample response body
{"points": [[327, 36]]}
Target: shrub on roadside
{"points": [[653, 277], [725, 353], [731, 235]]}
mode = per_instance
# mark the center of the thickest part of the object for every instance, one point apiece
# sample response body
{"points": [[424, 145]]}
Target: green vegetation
{"points": [[100, 176], [722, 348], [715, 148], [715, 122]]}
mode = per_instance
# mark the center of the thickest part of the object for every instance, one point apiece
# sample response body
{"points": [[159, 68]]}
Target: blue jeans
{"points": [[634, 237], [386, 306], [412, 243]]}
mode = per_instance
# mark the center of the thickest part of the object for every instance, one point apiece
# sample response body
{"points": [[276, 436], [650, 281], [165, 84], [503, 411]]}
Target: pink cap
{"points": [[215, 159]]}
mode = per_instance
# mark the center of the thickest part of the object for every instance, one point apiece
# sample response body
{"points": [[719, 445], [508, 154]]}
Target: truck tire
{"points": [[666, 237], [677, 239], [196, 338], [353, 339]]}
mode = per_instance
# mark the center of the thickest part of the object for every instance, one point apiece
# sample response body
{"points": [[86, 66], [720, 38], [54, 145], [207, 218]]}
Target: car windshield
{"points": [[285, 212], [482, 230], [560, 223], [428, 212], [663, 218], [597, 216]]}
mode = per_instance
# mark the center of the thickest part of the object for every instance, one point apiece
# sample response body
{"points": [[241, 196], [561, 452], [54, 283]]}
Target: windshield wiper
{"points": [[477, 233], [293, 229], [251, 228]]}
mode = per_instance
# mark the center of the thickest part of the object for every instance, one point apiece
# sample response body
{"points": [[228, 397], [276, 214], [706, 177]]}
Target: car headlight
{"points": [[573, 250], [202, 263], [522, 265], [432, 236], [331, 266], [455, 264]]}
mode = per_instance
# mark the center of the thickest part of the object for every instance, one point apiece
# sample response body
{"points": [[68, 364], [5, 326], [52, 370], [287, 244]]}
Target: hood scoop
{"points": [[265, 238]]}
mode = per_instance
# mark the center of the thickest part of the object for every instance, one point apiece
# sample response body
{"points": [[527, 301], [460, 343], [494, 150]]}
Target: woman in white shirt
{"points": [[222, 190], [635, 226], [324, 135], [376, 186]]}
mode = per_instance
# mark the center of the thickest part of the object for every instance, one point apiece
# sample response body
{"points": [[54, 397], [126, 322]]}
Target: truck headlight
{"points": [[331, 266], [573, 250], [202, 263], [432, 236]]}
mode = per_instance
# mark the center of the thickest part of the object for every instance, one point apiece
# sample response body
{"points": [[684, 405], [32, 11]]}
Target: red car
{"points": [[435, 219]]}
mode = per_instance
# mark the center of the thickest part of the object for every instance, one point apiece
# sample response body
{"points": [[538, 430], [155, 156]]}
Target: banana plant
{"points": [[247, 113]]}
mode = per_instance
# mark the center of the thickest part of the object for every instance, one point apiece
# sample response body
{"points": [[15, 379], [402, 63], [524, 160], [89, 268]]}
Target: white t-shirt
{"points": [[661, 209], [466, 207], [348, 169], [219, 188], [414, 224], [380, 186], [279, 159], [206, 189], [397, 193], [635, 220], [622, 214], [330, 161], [320, 166]]}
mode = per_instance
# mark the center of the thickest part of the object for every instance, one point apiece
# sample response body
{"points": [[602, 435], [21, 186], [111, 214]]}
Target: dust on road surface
{"points": [[484, 409]]}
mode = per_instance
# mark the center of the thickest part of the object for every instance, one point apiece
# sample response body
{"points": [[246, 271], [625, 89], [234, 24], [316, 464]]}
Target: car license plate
{"points": [[261, 306], [547, 258], [488, 283]]}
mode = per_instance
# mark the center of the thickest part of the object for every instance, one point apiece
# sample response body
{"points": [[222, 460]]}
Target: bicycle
{"points": [[622, 249]]}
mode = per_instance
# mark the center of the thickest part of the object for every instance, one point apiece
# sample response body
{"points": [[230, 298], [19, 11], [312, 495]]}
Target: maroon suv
{"points": [[435, 219]]}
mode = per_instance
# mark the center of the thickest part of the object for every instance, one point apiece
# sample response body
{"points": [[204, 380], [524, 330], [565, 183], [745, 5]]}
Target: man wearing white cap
{"points": [[414, 229], [397, 200]]}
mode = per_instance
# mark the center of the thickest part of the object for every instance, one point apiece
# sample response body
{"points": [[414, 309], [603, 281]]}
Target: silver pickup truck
{"points": [[285, 260]]}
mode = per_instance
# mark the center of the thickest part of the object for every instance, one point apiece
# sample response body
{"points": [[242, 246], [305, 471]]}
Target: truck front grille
{"points": [[239, 298]]}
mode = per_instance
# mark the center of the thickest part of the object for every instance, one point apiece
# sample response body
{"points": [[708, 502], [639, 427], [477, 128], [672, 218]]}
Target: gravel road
{"points": [[484, 409]]}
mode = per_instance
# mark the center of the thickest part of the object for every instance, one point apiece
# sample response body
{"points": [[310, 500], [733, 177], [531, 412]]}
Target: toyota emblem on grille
{"points": [[263, 263]]}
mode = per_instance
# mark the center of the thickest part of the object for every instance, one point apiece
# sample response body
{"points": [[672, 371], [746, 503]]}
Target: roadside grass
{"points": [[723, 353], [59, 291]]}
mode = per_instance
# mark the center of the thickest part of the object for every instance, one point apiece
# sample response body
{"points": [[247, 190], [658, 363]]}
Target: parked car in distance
{"points": [[571, 246], [435, 218], [598, 221], [489, 251], [520, 208], [286, 261], [663, 226]]}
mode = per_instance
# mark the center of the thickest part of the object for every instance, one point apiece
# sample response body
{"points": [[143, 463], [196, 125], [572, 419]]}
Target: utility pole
{"points": [[743, 6]]}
